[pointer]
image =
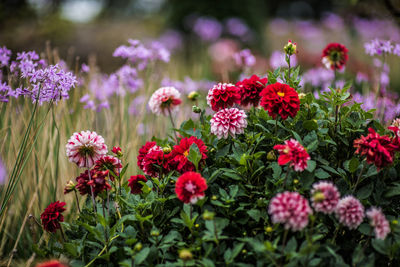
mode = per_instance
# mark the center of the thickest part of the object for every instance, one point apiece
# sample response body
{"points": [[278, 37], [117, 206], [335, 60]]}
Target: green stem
{"points": [[172, 123], [77, 201], [358, 179]]}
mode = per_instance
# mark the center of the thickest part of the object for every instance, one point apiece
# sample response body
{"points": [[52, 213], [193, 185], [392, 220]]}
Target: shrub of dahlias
{"points": [[298, 181]]}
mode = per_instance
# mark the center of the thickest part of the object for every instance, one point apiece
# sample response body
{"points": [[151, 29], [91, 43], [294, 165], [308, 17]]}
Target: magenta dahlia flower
{"points": [[325, 197], [85, 148], [190, 187], [379, 222], [291, 209], [294, 153], [165, 100], [229, 121], [350, 212], [223, 95]]}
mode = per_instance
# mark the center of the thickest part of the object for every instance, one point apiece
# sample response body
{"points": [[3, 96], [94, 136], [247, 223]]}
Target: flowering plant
{"points": [[297, 181]]}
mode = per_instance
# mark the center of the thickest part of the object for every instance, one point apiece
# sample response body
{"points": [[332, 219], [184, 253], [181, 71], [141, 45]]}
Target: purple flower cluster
{"points": [[3, 173], [188, 85], [245, 58], [277, 60], [141, 55], [26, 64], [380, 47], [4, 56], [51, 84], [207, 28], [318, 77]]}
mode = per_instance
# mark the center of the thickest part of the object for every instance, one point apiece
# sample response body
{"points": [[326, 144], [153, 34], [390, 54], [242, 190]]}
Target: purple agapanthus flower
{"points": [[245, 58], [4, 56], [207, 28]]}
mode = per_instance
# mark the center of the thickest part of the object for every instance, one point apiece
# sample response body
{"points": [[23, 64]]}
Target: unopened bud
{"points": [[196, 109], [155, 233], [244, 251], [318, 197], [197, 225], [271, 156], [302, 95], [295, 181], [117, 151], [193, 95], [167, 149], [185, 255], [69, 187], [208, 215], [395, 222], [214, 197], [138, 246], [268, 229], [290, 48]]}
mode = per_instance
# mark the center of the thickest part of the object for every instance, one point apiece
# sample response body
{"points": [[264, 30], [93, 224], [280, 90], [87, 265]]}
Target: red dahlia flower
{"points": [[250, 89], [280, 99], [106, 163], [99, 182], [52, 216], [294, 153], [117, 151], [378, 149], [334, 56], [190, 187], [223, 95], [143, 153], [136, 187], [156, 162], [179, 154], [52, 263]]}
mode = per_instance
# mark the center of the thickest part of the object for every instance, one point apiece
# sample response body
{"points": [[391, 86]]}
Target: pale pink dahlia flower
{"points": [[85, 148], [291, 209], [379, 222], [229, 121], [350, 212], [325, 197], [165, 100]]}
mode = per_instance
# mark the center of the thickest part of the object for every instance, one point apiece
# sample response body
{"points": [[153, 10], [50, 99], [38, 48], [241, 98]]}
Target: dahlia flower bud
{"points": [[193, 96], [302, 95], [155, 233], [290, 48], [271, 155], [196, 109], [117, 151], [318, 197], [69, 187], [166, 149], [396, 123], [268, 229], [185, 255], [208, 215], [138, 246]]}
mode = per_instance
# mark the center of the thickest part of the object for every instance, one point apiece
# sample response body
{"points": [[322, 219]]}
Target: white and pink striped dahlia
{"points": [[325, 197], [291, 209], [229, 121], [85, 148], [379, 222], [350, 212], [165, 100]]}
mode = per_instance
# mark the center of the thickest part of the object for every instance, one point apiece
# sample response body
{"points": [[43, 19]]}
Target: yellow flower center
{"points": [[186, 153], [281, 94]]}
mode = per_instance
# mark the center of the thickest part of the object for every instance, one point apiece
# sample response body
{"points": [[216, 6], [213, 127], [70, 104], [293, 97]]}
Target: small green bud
{"points": [[395, 222], [295, 181], [138, 246], [214, 197], [290, 48], [197, 225], [196, 109], [244, 251], [155, 233], [268, 229], [193, 95], [271, 156], [167, 149], [318, 197], [208, 215]]}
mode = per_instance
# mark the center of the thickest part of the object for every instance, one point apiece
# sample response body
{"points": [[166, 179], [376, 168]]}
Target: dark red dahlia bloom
{"points": [[155, 162], [250, 89], [99, 182], [178, 157], [136, 187], [107, 163], [190, 187], [294, 153], [223, 95], [334, 56], [143, 153], [378, 149], [52, 216], [280, 99], [117, 151], [52, 263], [396, 138]]}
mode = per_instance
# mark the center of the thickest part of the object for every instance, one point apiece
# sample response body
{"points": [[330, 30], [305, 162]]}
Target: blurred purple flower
{"points": [[188, 85], [207, 28], [333, 21], [171, 39], [5, 90], [237, 27], [396, 50], [279, 26], [3, 173], [318, 77], [128, 78], [4, 56], [382, 29], [245, 58], [26, 63], [361, 77], [136, 105], [85, 68], [277, 60], [379, 47]]}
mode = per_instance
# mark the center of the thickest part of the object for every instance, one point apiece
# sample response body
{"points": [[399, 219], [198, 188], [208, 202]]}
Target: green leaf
{"points": [[254, 214], [311, 164], [194, 155], [310, 125], [291, 246], [393, 191], [365, 191], [142, 255], [321, 174], [313, 146], [353, 164], [382, 246]]}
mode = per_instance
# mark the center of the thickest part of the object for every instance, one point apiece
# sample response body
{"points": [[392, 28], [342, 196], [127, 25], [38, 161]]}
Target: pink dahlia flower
{"points": [[291, 209], [165, 100], [229, 121], [325, 197], [379, 222], [350, 212], [85, 148], [223, 95], [294, 153]]}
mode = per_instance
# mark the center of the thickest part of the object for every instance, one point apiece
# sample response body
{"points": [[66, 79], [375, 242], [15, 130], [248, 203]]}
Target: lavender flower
{"points": [[188, 85], [207, 28], [380, 47], [245, 58], [85, 68], [3, 173], [26, 63], [171, 40], [135, 108], [318, 77], [5, 90], [4, 56], [128, 78]]}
